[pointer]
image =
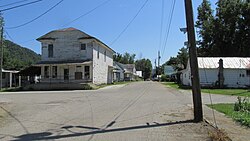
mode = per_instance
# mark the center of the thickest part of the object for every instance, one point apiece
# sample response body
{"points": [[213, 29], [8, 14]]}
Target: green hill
{"points": [[17, 57]]}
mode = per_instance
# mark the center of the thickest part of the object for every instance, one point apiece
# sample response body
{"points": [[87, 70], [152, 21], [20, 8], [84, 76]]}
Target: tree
{"points": [[1, 21], [227, 33], [145, 66], [226, 28], [182, 57], [126, 58], [180, 61], [205, 25]]}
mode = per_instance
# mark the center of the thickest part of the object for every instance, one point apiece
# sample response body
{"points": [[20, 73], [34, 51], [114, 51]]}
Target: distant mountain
{"points": [[17, 57]]}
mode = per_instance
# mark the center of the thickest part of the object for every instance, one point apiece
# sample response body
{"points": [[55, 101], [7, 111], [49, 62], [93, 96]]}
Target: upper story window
{"points": [[98, 52], [105, 56], [50, 50], [83, 46]]}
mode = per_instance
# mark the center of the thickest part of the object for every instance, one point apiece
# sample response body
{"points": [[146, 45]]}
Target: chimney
{"points": [[221, 75]]}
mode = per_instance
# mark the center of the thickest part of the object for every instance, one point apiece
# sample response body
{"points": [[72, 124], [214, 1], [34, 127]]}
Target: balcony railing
{"points": [[64, 79]]}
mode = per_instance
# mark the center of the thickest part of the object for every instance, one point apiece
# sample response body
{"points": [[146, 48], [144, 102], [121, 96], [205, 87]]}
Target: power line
{"points": [[162, 17], [74, 19], [13, 3], [85, 14], [169, 26], [20, 5], [8, 35], [131, 21], [21, 25]]}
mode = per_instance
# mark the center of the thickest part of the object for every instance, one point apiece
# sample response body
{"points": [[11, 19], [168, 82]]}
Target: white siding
{"points": [[101, 67], [66, 46], [208, 76], [234, 78]]}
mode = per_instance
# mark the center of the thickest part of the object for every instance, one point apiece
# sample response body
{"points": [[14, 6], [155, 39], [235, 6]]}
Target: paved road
{"points": [[139, 111]]}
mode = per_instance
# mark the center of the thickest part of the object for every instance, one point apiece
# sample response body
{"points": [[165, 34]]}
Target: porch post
{"points": [[20, 80], [10, 79]]}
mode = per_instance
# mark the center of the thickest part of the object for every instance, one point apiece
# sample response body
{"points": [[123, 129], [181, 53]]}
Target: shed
{"points": [[236, 72]]}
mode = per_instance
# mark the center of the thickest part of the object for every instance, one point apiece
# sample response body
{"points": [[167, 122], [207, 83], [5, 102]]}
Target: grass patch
{"points": [[234, 92], [171, 84], [228, 109], [14, 89]]}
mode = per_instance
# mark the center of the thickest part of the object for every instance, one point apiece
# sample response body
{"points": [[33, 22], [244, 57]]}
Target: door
{"points": [[66, 74]]}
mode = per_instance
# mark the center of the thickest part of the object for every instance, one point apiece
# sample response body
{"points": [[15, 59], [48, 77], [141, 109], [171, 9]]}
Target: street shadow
{"points": [[95, 130]]}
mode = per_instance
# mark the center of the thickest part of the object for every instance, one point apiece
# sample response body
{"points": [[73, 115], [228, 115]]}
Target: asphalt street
{"points": [[146, 111]]}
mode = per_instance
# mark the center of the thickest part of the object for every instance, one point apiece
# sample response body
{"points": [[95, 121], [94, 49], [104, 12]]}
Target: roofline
{"points": [[90, 37]]}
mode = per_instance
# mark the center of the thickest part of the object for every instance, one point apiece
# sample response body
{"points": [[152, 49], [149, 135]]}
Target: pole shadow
{"points": [[50, 136]]}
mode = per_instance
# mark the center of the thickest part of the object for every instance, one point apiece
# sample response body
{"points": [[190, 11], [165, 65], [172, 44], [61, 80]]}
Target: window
{"points": [[83, 46], [50, 50], [78, 75], [98, 52], [248, 73], [105, 53], [54, 71], [86, 72], [46, 71]]}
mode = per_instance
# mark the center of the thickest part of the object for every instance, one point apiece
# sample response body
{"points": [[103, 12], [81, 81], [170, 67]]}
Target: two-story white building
{"points": [[72, 56]]}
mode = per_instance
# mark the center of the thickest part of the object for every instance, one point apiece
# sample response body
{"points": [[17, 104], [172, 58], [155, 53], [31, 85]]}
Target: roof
{"points": [[228, 62], [12, 71], [63, 62], [70, 29]]}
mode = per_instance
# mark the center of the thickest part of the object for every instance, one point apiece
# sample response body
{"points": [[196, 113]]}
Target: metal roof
{"points": [[228, 62]]}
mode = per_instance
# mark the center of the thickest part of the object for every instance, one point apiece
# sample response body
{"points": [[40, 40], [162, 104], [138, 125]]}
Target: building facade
{"points": [[72, 56], [235, 72]]}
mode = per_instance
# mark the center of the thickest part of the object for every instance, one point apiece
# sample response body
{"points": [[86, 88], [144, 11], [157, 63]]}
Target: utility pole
{"points": [[1, 61], [198, 115], [155, 69], [159, 58]]}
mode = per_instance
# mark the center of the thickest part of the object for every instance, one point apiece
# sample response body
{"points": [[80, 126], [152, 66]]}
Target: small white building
{"points": [[72, 56], [139, 74], [236, 71], [118, 72], [124, 72], [10, 78]]}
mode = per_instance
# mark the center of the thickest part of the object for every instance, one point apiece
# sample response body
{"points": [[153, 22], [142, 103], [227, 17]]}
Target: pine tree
{"points": [[204, 23], [226, 27]]}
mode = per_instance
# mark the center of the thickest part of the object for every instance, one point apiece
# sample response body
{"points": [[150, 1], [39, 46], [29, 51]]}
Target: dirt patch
{"points": [[3, 114]]}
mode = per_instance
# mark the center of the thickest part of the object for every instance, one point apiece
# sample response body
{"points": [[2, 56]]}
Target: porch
{"points": [[66, 72]]}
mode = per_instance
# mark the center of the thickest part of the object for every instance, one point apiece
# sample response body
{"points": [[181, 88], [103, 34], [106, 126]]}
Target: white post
{"points": [[20, 80], [10, 79]]}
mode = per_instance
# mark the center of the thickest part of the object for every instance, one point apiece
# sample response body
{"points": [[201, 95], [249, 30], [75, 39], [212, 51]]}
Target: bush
{"points": [[242, 111]]}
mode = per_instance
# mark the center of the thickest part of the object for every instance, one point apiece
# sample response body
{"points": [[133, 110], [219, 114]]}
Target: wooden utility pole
{"points": [[198, 114], [159, 58], [1, 61]]}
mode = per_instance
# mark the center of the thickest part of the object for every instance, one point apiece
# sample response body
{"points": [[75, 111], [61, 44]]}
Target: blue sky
{"points": [[141, 38]]}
